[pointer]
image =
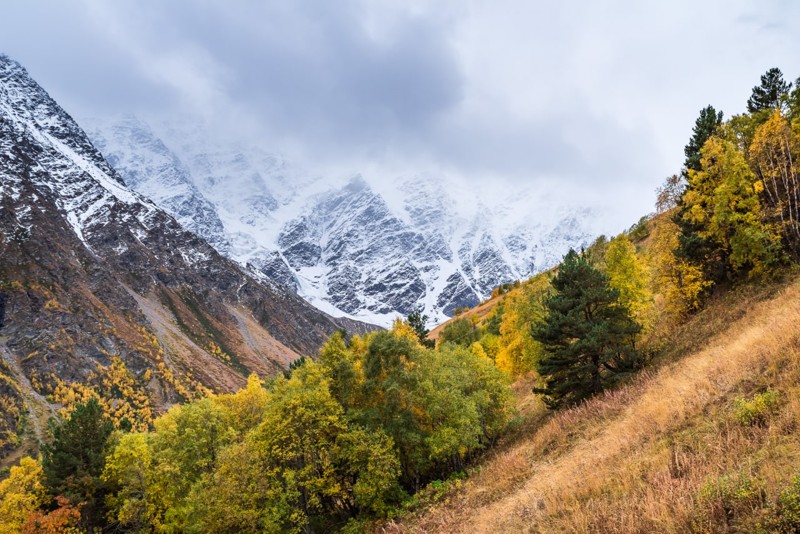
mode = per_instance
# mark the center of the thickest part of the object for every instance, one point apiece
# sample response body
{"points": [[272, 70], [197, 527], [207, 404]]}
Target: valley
{"points": [[200, 334]]}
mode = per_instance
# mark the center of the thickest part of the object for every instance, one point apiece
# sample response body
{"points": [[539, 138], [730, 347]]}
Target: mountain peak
{"points": [[101, 281], [368, 250]]}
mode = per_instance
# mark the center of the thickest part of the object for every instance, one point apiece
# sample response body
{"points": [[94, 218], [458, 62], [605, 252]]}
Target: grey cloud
{"points": [[312, 70], [595, 95]]}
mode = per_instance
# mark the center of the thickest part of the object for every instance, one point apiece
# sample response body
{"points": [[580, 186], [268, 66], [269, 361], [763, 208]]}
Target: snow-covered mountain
{"points": [[358, 245], [95, 278]]}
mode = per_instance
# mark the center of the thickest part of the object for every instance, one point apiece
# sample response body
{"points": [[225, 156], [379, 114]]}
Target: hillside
{"points": [[646, 383], [705, 441], [477, 315]]}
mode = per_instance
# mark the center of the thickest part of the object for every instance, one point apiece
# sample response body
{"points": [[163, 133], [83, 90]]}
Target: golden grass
{"points": [[655, 455]]}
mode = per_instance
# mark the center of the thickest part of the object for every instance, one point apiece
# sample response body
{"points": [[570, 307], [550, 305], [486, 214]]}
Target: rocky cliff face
{"points": [[103, 293], [350, 247]]}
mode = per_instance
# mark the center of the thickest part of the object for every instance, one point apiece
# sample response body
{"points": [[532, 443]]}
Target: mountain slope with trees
{"points": [[702, 438], [103, 295], [655, 389]]}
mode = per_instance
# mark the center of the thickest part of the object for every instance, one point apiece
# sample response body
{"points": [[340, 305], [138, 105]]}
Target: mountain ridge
{"points": [[380, 254], [98, 284]]}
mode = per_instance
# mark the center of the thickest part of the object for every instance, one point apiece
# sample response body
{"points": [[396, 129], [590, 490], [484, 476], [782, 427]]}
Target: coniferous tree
{"points": [[771, 93], [794, 101], [704, 127], [74, 460], [589, 338], [692, 247], [417, 320]]}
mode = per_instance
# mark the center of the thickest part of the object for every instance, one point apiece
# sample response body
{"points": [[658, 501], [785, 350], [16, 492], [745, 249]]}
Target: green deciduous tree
{"points": [[186, 445], [331, 442], [461, 402], [134, 501], [153, 475], [460, 331], [588, 337], [296, 447], [389, 382], [339, 363], [303, 465]]}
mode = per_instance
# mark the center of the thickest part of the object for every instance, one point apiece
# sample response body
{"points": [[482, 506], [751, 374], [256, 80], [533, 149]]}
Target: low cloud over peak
{"points": [[600, 97]]}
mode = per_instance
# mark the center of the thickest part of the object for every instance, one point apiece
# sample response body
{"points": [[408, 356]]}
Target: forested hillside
{"points": [[680, 414], [654, 389]]}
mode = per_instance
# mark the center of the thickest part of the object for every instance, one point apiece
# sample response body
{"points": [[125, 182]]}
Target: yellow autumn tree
{"points": [[137, 504], [723, 200], [245, 408], [774, 155], [676, 284], [490, 345], [517, 351], [402, 329], [21, 494], [627, 274]]}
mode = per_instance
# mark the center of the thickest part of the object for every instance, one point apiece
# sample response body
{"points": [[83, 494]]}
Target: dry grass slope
{"points": [[703, 443]]}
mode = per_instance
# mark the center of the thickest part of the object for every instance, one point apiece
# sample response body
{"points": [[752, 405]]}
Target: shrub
{"points": [[724, 499], [784, 516], [756, 411]]}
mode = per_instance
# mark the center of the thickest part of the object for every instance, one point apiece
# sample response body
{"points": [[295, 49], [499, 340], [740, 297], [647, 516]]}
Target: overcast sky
{"points": [[597, 95]]}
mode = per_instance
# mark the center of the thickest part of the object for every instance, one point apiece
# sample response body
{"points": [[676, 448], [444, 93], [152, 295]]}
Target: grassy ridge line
{"points": [[477, 314], [638, 459]]}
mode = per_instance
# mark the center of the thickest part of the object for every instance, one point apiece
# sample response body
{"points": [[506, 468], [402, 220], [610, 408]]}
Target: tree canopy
{"points": [[771, 93]]}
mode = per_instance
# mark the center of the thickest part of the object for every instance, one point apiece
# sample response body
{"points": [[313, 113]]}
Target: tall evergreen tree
{"points": [[692, 248], [589, 338], [794, 101], [704, 127], [74, 459], [417, 320], [771, 93]]}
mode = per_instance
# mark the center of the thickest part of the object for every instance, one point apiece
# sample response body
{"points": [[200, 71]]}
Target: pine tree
{"points": [[589, 338], [771, 93], [692, 248], [74, 460], [794, 102], [704, 127], [417, 320]]}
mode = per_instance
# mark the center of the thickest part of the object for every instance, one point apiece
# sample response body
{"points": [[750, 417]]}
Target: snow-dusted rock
{"points": [[357, 246]]}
